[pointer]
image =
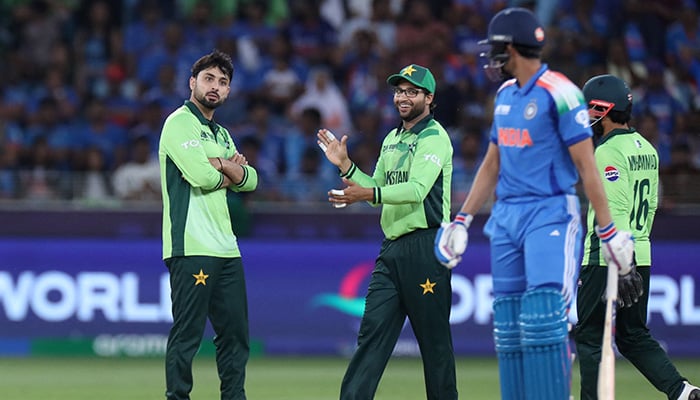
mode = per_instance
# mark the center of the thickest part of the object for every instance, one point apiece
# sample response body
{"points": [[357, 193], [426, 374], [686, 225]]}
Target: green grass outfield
{"points": [[268, 379]]}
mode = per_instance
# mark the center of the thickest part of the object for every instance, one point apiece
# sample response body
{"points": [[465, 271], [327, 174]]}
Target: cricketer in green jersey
{"points": [[200, 170], [411, 182], [629, 168]]}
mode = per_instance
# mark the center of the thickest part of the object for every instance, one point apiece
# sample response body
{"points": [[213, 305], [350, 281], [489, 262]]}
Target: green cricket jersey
{"points": [[196, 215], [412, 178], [629, 168]]}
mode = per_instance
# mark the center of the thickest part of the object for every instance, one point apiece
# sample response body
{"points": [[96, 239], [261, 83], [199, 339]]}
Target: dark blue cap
{"points": [[515, 25]]}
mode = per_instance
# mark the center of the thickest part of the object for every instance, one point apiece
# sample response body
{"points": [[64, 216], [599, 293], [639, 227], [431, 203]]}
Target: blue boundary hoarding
{"points": [[305, 297]]}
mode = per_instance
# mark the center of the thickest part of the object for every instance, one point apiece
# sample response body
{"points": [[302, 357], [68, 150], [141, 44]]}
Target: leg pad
{"points": [[506, 334], [545, 345]]}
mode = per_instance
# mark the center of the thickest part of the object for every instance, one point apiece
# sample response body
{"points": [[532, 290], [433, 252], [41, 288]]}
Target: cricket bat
{"points": [[606, 369]]}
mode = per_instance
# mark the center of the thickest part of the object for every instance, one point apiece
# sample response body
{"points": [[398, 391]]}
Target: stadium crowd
{"points": [[85, 84]]}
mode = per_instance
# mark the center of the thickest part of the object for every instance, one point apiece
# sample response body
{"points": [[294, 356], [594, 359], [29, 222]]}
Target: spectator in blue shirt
{"points": [[97, 132], [271, 134], [669, 112], [312, 37], [46, 125], [299, 139], [170, 51], [143, 32]]}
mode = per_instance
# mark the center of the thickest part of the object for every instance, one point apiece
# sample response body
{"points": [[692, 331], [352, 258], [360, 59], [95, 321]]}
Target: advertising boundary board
{"points": [[110, 297]]}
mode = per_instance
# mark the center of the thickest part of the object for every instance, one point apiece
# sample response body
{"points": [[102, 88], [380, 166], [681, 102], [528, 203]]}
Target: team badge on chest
{"points": [[530, 110]]}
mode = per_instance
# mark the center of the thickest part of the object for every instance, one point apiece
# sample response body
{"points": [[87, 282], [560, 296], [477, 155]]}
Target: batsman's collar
{"points": [[417, 75]]}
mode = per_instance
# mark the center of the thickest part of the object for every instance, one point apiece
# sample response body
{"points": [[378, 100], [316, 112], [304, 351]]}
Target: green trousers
{"points": [[407, 281], [632, 336], [213, 288]]}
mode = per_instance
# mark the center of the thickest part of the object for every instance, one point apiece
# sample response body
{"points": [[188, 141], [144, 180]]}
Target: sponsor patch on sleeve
{"points": [[611, 173]]}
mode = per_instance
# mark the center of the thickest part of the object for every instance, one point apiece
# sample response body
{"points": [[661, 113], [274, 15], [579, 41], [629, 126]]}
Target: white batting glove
{"points": [[451, 240], [618, 248]]}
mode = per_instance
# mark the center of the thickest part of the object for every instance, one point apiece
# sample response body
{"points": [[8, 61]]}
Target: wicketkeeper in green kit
{"points": [[629, 167], [411, 182], [200, 169]]}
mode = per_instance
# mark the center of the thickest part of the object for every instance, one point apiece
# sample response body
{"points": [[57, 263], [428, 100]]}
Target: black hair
{"points": [[621, 117], [433, 104], [528, 51], [313, 113], [217, 59]]}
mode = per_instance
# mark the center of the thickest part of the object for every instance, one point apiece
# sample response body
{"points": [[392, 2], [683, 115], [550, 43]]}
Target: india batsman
{"points": [[540, 141]]}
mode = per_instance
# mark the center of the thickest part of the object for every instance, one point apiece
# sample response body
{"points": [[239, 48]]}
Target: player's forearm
{"points": [[411, 192], [582, 155], [344, 166], [596, 195], [198, 174], [356, 175], [595, 192], [232, 172]]}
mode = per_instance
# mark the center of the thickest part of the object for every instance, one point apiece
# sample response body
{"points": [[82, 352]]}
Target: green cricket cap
{"points": [[417, 75]]}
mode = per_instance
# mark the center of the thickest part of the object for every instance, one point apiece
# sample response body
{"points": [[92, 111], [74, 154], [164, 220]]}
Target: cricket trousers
{"points": [[214, 288], [632, 336], [407, 281]]}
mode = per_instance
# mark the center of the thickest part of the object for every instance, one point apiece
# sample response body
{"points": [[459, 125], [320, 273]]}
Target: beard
{"points": [[412, 114], [597, 132], [202, 99]]}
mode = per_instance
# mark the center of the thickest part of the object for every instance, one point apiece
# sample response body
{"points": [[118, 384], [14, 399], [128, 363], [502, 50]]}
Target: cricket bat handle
{"points": [[606, 369]]}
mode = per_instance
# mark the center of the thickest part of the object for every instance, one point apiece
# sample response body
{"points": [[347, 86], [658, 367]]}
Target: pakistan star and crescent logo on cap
{"points": [[417, 75], [408, 70]]}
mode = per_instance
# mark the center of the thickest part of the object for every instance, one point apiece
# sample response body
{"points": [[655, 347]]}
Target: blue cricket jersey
{"points": [[533, 127]]}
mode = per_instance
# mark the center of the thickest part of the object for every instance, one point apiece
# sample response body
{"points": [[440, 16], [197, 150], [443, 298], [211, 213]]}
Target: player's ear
{"points": [[193, 80], [429, 98]]}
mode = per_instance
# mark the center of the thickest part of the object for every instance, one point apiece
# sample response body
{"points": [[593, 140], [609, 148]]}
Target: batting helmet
{"points": [[517, 26], [604, 93]]}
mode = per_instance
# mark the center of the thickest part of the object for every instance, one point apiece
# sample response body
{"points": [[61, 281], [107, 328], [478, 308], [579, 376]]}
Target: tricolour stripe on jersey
{"points": [[566, 95], [509, 82]]}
